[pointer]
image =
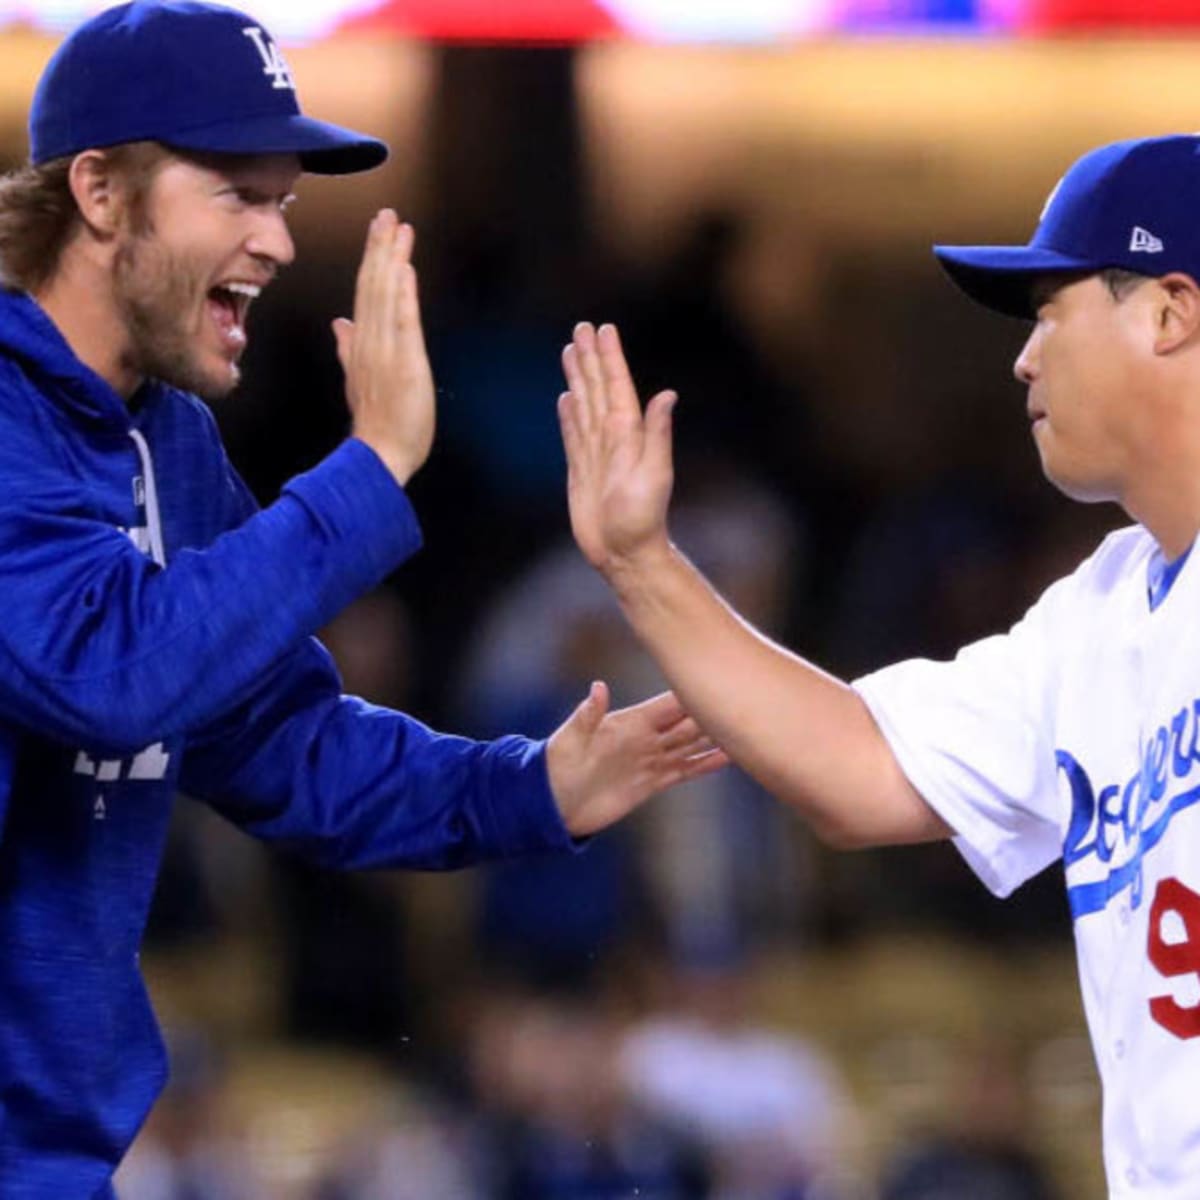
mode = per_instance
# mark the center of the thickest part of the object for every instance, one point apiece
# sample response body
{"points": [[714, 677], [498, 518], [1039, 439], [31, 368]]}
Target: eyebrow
{"points": [[259, 195]]}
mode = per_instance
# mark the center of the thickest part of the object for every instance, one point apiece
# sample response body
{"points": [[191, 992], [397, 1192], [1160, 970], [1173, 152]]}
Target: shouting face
{"points": [[195, 252]]}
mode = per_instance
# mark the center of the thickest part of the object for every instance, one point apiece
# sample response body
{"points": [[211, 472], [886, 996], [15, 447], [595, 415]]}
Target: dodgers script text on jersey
{"points": [[1074, 737]]}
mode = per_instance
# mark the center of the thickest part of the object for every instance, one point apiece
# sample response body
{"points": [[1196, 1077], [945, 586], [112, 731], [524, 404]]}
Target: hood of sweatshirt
{"points": [[32, 338]]}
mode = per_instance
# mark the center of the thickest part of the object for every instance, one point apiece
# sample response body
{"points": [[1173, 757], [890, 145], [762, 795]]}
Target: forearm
{"points": [[804, 735], [350, 785]]}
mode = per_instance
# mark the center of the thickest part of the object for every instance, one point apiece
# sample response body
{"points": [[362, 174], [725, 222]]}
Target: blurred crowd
{"points": [[566, 1097]]}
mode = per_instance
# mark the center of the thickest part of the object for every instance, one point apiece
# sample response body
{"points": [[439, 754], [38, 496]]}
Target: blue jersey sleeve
{"points": [[102, 648], [351, 785]]}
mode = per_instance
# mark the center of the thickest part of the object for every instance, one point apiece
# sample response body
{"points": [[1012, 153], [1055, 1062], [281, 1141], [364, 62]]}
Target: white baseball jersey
{"points": [[1075, 735]]}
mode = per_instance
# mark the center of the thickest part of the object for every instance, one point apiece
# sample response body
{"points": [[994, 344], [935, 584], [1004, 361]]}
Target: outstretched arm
{"points": [[351, 785], [800, 732]]}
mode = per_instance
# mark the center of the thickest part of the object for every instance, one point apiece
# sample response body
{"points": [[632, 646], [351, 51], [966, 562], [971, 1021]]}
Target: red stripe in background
{"points": [[1080, 15], [490, 20]]}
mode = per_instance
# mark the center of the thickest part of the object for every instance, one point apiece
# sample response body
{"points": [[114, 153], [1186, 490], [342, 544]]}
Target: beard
{"points": [[156, 290]]}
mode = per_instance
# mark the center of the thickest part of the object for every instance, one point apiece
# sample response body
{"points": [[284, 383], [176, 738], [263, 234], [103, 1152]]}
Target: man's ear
{"points": [[99, 192], [1176, 312]]}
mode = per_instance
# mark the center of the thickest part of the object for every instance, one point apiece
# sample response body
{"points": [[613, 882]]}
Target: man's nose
{"points": [[1026, 366], [272, 239]]}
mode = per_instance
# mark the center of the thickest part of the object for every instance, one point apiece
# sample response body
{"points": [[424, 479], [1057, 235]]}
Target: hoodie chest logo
{"points": [[147, 765]]}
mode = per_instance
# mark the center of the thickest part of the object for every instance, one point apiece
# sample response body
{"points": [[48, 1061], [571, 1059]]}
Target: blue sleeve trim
{"points": [[355, 500], [522, 812]]}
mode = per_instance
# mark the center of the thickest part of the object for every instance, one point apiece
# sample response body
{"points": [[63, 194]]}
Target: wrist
{"points": [[398, 464], [632, 571], [560, 788]]}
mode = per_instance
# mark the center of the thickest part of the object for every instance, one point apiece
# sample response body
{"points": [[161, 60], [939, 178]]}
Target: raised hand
{"points": [[603, 764], [389, 386], [619, 462]]}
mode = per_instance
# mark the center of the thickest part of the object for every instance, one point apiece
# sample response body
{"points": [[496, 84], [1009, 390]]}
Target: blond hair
{"points": [[38, 213]]}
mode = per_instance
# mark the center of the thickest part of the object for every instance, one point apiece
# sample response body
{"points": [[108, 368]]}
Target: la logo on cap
{"points": [[1145, 241], [273, 62], [1050, 199]]}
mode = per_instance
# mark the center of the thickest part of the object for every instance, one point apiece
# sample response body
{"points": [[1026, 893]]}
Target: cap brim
{"points": [[323, 149], [1001, 277]]}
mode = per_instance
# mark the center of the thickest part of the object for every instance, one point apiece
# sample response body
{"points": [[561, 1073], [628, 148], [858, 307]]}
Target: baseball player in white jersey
{"points": [[1076, 734]]}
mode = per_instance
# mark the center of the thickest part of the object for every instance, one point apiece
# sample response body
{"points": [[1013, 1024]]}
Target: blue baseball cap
{"points": [[193, 76], [1133, 205]]}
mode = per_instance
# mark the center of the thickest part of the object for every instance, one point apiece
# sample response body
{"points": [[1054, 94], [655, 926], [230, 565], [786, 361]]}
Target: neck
{"points": [[1175, 537], [1166, 496], [79, 300]]}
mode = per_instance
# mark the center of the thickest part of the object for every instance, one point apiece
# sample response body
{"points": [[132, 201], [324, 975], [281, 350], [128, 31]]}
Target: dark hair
{"points": [[38, 213], [1121, 282]]}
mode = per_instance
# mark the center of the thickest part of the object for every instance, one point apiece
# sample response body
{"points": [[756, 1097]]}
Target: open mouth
{"points": [[228, 304]]}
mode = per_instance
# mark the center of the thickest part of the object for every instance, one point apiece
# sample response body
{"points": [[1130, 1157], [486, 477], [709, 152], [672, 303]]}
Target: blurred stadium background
{"points": [[706, 1003]]}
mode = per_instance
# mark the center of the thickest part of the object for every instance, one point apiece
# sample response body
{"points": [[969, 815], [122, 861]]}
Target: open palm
{"points": [[619, 461]]}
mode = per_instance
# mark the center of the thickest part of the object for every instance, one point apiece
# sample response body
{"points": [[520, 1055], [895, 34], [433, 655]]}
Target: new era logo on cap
{"points": [[1145, 241]]}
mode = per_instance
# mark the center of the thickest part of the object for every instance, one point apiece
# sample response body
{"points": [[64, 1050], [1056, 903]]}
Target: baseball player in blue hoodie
{"points": [[156, 630]]}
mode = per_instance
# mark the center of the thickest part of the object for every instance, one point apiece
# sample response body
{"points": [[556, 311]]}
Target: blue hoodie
{"points": [[155, 636]]}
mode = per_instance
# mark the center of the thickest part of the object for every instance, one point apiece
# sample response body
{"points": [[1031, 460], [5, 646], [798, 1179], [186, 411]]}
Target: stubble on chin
{"points": [[156, 292]]}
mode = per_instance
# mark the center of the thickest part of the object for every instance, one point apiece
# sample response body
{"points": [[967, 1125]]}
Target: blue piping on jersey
{"points": [[1086, 898], [1160, 575]]}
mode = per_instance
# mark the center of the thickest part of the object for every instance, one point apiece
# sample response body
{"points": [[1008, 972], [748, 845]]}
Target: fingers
{"points": [[407, 311], [408, 308], [385, 293], [580, 467], [586, 406], [379, 238], [656, 446], [394, 270], [683, 751], [408, 304], [600, 697], [592, 709], [682, 734], [567, 422], [343, 333], [661, 712], [698, 765], [405, 238], [598, 376], [682, 743], [588, 362], [614, 370], [693, 766], [365, 266]]}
